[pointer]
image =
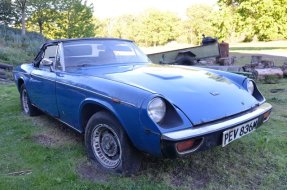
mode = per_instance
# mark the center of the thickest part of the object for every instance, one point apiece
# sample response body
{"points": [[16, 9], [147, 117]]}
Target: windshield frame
{"points": [[89, 59]]}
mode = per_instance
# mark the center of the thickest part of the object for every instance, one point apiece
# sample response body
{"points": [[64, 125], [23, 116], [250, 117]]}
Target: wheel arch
{"points": [[89, 107], [20, 82]]}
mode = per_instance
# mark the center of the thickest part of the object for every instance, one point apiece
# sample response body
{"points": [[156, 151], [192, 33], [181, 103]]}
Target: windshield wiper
{"points": [[81, 65]]}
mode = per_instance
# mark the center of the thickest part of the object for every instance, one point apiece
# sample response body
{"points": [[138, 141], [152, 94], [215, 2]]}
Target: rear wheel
{"points": [[108, 145], [26, 105]]}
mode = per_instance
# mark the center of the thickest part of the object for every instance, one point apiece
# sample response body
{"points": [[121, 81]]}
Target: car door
{"points": [[42, 85], [68, 91]]}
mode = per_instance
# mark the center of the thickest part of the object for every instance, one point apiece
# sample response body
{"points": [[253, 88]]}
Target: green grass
{"points": [[257, 161], [15, 49], [14, 56]]}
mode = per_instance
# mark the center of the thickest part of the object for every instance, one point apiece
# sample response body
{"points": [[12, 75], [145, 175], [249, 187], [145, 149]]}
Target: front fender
{"points": [[129, 118], [22, 73]]}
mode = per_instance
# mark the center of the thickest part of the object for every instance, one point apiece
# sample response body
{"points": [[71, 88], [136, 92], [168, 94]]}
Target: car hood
{"points": [[203, 96]]}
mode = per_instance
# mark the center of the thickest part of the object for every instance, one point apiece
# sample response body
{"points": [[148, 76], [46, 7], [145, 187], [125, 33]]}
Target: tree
{"points": [[42, 11], [123, 27], [148, 29], [264, 19], [74, 19], [225, 23], [21, 6], [62, 19], [200, 21], [7, 13], [156, 28]]}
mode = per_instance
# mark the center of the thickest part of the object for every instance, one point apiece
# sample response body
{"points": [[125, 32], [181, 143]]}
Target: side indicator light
{"points": [[266, 116], [185, 145]]}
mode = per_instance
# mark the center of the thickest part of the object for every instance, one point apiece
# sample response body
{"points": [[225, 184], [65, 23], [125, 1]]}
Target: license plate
{"points": [[238, 132]]}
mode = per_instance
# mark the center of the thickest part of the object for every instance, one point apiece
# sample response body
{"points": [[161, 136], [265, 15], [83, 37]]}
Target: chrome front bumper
{"points": [[208, 129]]}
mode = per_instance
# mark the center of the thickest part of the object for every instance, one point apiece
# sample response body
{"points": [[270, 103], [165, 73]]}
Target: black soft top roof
{"points": [[76, 39]]}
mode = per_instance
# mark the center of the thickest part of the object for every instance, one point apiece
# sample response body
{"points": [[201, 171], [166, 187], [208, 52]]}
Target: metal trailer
{"points": [[200, 56]]}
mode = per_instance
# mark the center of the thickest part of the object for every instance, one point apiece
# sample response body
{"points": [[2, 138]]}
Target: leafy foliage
{"points": [[42, 11], [148, 29], [7, 13], [54, 19], [232, 20], [199, 22], [265, 19], [62, 19], [157, 28]]}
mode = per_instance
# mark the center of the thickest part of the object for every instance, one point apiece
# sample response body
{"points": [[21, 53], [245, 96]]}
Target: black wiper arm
{"points": [[81, 65]]}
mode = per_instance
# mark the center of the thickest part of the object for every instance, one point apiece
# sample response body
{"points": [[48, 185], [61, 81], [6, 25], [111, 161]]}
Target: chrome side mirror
{"points": [[46, 62]]}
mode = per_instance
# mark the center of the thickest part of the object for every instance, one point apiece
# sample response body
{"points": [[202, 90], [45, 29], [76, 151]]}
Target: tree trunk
{"points": [[40, 23], [23, 22]]}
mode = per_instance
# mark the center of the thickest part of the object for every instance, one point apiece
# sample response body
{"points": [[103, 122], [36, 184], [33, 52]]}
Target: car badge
{"points": [[214, 93]]}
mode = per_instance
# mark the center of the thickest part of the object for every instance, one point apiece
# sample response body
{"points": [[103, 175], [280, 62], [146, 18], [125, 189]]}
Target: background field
{"points": [[275, 51], [41, 153]]}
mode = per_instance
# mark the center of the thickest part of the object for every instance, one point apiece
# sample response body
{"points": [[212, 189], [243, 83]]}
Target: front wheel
{"points": [[108, 145]]}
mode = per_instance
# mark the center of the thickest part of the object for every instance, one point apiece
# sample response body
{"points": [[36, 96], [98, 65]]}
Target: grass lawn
{"points": [[41, 153]]}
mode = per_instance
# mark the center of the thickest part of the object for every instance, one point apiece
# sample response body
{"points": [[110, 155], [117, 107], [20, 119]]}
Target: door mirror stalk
{"points": [[47, 62]]}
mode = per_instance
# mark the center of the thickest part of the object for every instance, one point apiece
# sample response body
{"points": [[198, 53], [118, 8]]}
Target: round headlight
{"points": [[156, 109], [250, 86]]}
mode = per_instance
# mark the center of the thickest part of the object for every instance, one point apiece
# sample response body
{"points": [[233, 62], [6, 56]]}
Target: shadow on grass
{"points": [[256, 48]]}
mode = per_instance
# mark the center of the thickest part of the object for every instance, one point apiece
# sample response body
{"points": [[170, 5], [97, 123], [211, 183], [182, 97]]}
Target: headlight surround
{"points": [[250, 86], [156, 109]]}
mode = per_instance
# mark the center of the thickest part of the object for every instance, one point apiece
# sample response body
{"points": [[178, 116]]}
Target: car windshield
{"points": [[90, 52]]}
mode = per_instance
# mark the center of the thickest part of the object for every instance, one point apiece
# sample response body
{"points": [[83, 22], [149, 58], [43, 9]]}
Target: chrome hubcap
{"points": [[25, 101], [106, 146]]}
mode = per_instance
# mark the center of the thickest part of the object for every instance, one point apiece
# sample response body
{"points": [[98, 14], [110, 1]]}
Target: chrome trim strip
{"points": [[93, 92], [68, 125], [195, 132]]}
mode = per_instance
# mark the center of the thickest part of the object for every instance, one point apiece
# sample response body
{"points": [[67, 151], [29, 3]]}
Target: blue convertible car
{"points": [[108, 90]]}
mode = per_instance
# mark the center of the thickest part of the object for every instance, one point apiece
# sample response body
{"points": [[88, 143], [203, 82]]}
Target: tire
{"points": [[109, 147], [184, 60], [26, 105]]}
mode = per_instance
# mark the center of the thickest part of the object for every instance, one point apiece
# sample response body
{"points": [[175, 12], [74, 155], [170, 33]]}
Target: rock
{"points": [[268, 72], [226, 60]]}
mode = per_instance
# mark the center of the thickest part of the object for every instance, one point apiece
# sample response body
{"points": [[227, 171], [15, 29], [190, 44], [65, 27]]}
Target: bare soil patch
{"points": [[88, 171], [55, 133], [44, 140]]}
